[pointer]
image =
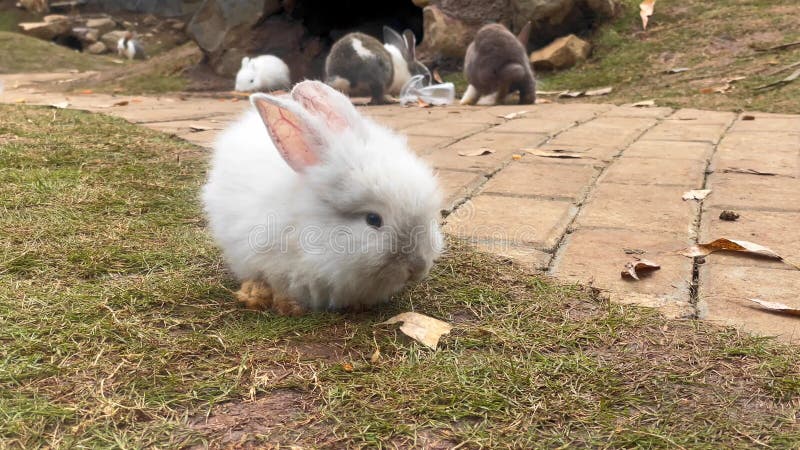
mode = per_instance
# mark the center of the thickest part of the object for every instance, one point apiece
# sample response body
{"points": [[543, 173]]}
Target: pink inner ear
{"points": [[320, 101], [288, 135]]}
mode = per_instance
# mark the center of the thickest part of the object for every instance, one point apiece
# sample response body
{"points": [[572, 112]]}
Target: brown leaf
{"points": [[514, 115], [643, 104], [724, 244], [645, 11], [197, 128], [436, 77], [478, 152], [696, 194], [121, 103], [777, 307], [347, 367], [516, 157], [423, 329], [376, 356], [748, 117], [542, 101], [86, 91], [748, 171], [556, 153], [643, 266]]}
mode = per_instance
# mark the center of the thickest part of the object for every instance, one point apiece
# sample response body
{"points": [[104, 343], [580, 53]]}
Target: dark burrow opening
{"points": [[331, 20]]}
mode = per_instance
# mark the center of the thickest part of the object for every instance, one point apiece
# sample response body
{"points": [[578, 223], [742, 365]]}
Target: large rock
{"points": [[46, 30], [561, 54], [221, 22], [550, 12], [111, 38], [97, 48], [87, 36], [102, 24], [445, 36], [35, 6]]}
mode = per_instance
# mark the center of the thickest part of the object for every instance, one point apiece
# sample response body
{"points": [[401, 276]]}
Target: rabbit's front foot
{"points": [[258, 295]]}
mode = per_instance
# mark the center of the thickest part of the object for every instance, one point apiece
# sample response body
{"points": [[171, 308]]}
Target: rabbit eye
{"points": [[374, 220], [252, 81]]}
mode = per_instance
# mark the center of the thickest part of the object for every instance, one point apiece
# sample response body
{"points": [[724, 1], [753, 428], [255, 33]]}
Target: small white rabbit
{"points": [[318, 208], [129, 47], [359, 64], [263, 73]]}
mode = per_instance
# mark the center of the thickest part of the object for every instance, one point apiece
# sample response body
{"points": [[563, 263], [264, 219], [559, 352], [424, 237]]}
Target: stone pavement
{"points": [[581, 219]]}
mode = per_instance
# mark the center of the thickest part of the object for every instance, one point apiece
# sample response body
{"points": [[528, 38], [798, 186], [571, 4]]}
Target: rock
{"points": [[45, 30], [97, 48], [102, 24], [87, 36], [175, 24], [35, 6], [50, 18], [562, 53], [604, 8], [445, 35], [540, 12], [150, 20], [110, 39], [218, 22], [421, 3]]}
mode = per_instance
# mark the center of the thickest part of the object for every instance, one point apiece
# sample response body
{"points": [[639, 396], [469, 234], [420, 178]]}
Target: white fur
{"points": [[362, 51], [401, 72], [263, 73], [253, 197], [130, 49]]}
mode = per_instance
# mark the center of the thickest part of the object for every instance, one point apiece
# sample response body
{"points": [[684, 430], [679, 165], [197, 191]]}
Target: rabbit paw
{"points": [[258, 295]]}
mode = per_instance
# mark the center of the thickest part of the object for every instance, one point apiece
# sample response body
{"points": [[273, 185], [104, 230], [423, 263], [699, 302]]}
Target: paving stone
{"points": [[516, 220], [425, 144], [534, 125], [445, 129], [525, 256], [687, 173], [776, 152], [632, 111], [761, 142], [700, 151], [457, 186], [767, 122], [698, 116], [724, 292], [597, 257], [529, 177], [503, 144], [617, 132], [399, 123], [745, 191], [639, 208], [589, 155], [769, 228], [678, 130]]}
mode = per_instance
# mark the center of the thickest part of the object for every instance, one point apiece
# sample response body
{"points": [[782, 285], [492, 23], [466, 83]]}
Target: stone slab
{"points": [[686, 173], [532, 178], [457, 186], [504, 145], [700, 151], [745, 191]]}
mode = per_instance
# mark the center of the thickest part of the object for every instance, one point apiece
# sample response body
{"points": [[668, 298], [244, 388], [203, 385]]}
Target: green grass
{"points": [[20, 53], [118, 329]]}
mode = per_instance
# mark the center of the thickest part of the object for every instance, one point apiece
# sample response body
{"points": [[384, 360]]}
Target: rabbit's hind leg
{"points": [[255, 294]]}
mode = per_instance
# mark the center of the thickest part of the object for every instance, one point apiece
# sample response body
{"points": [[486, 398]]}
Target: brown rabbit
{"points": [[497, 62]]}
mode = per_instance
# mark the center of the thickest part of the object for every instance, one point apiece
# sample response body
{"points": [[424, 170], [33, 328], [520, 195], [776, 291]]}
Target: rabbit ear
{"points": [[525, 34], [291, 130], [327, 104], [391, 37], [411, 44], [245, 60]]}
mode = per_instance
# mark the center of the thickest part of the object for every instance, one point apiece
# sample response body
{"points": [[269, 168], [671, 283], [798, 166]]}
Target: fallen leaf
{"points": [[729, 216], [748, 171], [646, 10], [86, 91], [724, 244], [542, 101], [436, 77], [570, 94], [347, 367], [118, 61], [633, 268], [643, 104], [795, 75], [59, 105], [677, 70], [197, 128], [556, 153], [633, 251], [20, 100], [478, 152], [514, 115], [599, 91], [748, 117], [549, 92], [696, 194], [376, 356], [777, 307], [121, 103], [516, 157], [423, 329]]}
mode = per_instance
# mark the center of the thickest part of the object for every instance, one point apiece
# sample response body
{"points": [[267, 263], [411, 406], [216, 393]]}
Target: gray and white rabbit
{"points": [[316, 207], [359, 64], [497, 63], [129, 47]]}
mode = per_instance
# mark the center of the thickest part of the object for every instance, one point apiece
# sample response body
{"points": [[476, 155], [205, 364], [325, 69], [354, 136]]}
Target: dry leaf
{"points": [[748, 171], [86, 91], [724, 244], [59, 105], [423, 329], [347, 367], [748, 117], [599, 91], [646, 10], [556, 153], [677, 70], [542, 101], [20, 100], [795, 75], [643, 104], [643, 266], [514, 115], [436, 77], [696, 194], [777, 307], [121, 103], [516, 157], [570, 94], [197, 128], [376, 356], [478, 152]]}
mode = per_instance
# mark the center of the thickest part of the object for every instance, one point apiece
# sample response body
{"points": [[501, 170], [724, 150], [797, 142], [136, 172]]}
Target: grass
{"points": [[118, 329], [20, 53]]}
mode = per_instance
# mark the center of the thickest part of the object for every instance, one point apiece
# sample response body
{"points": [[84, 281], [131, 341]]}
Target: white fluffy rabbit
{"points": [[318, 208], [263, 73]]}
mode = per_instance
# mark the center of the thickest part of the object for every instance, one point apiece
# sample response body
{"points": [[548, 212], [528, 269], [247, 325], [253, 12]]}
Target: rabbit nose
{"points": [[417, 268]]}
